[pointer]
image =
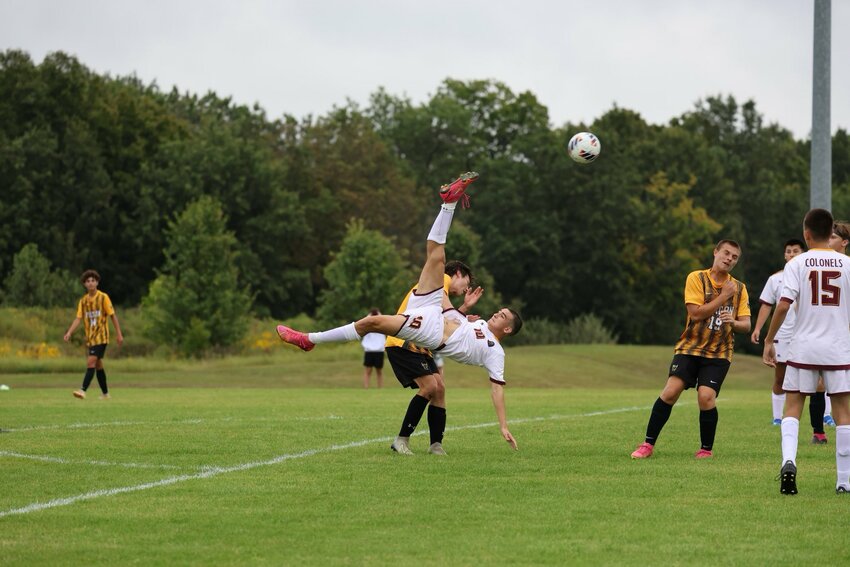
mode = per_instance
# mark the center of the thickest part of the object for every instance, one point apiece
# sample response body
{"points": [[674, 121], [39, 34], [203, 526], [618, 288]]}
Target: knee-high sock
{"points": [[842, 455], [778, 405], [816, 408], [440, 228], [436, 423], [414, 413], [88, 378], [338, 335], [707, 427], [101, 381], [659, 416], [790, 437]]}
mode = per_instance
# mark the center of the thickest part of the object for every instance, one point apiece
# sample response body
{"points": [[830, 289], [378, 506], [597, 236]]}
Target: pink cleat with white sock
{"points": [[293, 337]]}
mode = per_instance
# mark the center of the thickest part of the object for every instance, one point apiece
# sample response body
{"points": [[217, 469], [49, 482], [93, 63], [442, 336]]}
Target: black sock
{"points": [[101, 380], [817, 407], [87, 378], [436, 423], [707, 427], [659, 416], [414, 414]]}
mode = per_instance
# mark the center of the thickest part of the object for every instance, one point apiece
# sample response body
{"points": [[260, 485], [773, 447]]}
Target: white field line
{"points": [[60, 460], [210, 472]]}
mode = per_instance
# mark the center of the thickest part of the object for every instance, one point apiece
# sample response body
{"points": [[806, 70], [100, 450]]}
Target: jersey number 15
{"points": [[823, 291]]}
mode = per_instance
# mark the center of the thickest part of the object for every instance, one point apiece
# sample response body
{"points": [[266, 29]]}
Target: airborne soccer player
{"points": [[818, 284], [718, 306], [426, 324]]}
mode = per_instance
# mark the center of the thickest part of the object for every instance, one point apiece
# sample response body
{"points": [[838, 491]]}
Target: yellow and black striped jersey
{"points": [[396, 342], [710, 338], [95, 312]]}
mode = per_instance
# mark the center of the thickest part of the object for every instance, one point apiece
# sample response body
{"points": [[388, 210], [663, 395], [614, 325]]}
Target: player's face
{"points": [[459, 284], [90, 284], [794, 250], [837, 243], [726, 257], [501, 319]]}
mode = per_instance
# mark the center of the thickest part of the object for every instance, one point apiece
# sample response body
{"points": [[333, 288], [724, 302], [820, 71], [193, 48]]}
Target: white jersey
{"points": [[818, 281], [475, 344], [770, 295]]}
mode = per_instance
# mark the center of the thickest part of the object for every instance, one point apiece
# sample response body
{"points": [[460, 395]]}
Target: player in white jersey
{"points": [[769, 297], [427, 325], [818, 283]]}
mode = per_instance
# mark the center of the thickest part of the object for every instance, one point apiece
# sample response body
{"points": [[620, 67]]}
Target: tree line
{"points": [[96, 171]]}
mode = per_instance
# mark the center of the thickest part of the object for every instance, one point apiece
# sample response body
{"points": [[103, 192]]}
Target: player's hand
{"points": [[67, 337], [755, 337], [509, 438], [119, 339], [471, 298], [727, 317], [769, 355], [728, 290]]}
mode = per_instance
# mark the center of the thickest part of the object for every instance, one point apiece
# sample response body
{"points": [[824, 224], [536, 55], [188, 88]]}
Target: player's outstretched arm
{"points": [[497, 392]]}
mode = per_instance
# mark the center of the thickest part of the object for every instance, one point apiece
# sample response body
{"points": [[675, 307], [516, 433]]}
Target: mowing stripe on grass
{"points": [[60, 460], [210, 472]]}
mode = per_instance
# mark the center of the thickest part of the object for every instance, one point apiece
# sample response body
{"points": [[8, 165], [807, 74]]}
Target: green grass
{"points": [[570, 495]]}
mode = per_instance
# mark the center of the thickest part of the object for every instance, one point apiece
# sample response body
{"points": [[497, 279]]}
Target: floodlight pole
{"points": [[821, 158]]}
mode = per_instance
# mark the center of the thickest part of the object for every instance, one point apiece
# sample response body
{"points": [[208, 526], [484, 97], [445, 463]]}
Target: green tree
{"points": [[366, 272], [32, 283], [196, 302]]}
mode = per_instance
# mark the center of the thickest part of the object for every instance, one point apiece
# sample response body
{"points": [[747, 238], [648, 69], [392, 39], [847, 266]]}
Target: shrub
{"points": [[584, 329]]}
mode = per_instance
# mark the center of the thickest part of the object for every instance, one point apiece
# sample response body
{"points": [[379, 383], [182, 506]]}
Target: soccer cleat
{"points": [[105, 397], [293, 337], [788, 478], [436, 449], [777, 422], [819, 439], [454, 191], [703, 454], [827, 420], [80, 394], [400, 446], [644, 451], [842, 490]]}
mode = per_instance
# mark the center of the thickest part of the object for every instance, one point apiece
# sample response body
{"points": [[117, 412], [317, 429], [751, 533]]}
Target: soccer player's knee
{"points": [[842, 451]]}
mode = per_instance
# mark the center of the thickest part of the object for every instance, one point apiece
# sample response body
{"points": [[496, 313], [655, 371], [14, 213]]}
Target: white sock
{"points": [[440, 229], [790, 437], [828, 409], [778, 405], [842, 455], [338, 335]]}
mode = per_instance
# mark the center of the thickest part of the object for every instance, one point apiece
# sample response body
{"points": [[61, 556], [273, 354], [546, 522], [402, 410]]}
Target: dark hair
{"points": [[89, 274], [729, 242], [374, 311], [456, 266], [842, 229], [517, 324], [794, 242], [819, 223]]}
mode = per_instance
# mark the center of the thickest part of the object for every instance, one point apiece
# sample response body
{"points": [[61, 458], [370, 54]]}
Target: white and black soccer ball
{"points": [[584, 147]]}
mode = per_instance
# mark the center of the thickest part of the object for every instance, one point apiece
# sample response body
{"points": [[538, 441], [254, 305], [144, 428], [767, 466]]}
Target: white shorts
{"points": [[781, 350], [424, 324], [805, 380]]}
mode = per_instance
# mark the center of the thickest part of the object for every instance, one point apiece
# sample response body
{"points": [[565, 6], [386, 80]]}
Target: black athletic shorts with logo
{"points": [[699, 371], [97, 350], [408, 365], [373, 359]]}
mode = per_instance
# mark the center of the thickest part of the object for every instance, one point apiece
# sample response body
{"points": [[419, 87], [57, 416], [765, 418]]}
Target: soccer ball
{"points": [[584, 147]]}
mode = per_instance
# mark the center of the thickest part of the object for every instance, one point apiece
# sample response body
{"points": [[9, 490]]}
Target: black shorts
{"points": [[699, 371], [408, 365], [97, 350], [373, 359]]}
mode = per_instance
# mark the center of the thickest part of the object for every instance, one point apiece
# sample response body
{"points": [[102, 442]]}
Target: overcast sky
{"points": [[579, 58]]}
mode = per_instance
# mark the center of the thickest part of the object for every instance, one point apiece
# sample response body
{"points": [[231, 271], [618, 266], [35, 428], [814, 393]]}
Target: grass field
{"points": [[283, 460]]}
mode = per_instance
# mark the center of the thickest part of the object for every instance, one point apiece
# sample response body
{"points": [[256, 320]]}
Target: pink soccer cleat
{"points": [[294, 337], [703, 454], [644, 451], [819, 439], [454, 191]]}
